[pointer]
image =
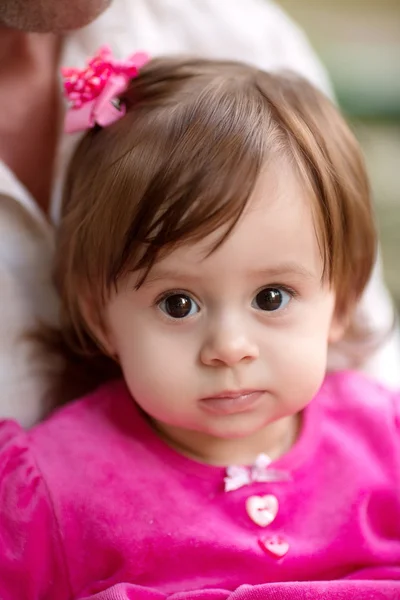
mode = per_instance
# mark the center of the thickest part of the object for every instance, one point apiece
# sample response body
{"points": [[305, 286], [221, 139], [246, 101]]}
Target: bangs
{"points": [[197, 179]]}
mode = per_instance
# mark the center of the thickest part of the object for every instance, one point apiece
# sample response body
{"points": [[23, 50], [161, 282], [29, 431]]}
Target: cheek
{"points": [[156, 364], [302, 365], [300, 358]]}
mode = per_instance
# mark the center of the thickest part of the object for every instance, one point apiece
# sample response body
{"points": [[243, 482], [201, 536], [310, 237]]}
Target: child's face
{"points": [[229, 344]]}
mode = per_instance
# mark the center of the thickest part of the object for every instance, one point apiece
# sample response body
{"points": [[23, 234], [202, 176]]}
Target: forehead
{"points": [[277, 227]]}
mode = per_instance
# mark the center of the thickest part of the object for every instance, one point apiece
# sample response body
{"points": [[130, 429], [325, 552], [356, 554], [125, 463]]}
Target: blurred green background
{"points": [[359, 43]]}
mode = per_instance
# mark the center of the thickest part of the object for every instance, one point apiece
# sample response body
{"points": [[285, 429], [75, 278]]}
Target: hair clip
{"points": [[93, 92]]}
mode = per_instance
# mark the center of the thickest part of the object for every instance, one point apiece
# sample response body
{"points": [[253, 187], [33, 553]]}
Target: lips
{"points": [[231, 401]]}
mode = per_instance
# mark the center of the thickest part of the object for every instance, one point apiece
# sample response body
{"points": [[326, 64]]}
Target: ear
{"points": [[97, 326], [338, 327]]}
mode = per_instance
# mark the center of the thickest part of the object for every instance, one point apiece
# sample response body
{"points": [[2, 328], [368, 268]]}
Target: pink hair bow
{"points": [[93, 92], [238, 476]]}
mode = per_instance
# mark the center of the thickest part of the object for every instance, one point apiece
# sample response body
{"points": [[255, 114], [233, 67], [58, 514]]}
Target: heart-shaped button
{"points": [[275, 545], [262, 509]]}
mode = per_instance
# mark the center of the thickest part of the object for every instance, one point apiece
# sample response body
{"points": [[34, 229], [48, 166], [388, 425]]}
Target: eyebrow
{"points": [[282, 270], [285, 269]]}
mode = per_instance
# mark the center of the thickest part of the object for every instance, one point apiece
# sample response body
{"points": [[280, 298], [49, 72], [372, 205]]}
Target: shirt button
{"points": [[262, 510], [274, 545]]}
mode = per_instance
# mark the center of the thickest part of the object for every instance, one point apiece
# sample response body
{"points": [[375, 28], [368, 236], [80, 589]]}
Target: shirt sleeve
{"points": [[32, 565], [27, 297], [319, 590], [291, 48]]}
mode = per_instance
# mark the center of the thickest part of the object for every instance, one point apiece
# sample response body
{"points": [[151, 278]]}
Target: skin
{"points": [[227, 342]]}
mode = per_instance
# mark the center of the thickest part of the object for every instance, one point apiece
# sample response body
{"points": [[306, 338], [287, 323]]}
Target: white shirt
{"points": [[254, 31]]}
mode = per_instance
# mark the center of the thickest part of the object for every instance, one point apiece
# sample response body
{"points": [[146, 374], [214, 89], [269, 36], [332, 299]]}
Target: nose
{"points": [[227, 344]]}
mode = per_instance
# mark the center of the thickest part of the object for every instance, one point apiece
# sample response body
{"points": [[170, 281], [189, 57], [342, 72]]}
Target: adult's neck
{"points": [[22, 50], [29, 103]]}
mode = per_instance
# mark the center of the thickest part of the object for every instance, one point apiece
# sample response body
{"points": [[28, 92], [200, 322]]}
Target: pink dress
{"points": [[94, 505]]}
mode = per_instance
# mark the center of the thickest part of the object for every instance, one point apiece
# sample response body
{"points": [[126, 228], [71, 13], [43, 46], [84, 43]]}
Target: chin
{"points": [[235, 431], [80, 14], [49, 16]]}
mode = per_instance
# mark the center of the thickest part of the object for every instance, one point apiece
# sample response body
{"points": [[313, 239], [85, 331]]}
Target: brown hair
{"points": [[183, 162]]}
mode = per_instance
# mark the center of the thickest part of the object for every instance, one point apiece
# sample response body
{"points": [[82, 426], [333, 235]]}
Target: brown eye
{"points": [[178, 306], [271, 299]]}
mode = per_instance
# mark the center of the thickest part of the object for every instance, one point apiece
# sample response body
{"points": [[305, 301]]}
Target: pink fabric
{"points": [[94, 506]]}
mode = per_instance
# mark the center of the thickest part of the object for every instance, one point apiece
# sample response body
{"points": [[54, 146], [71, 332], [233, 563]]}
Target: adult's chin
{"points": [[50, 16]]}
